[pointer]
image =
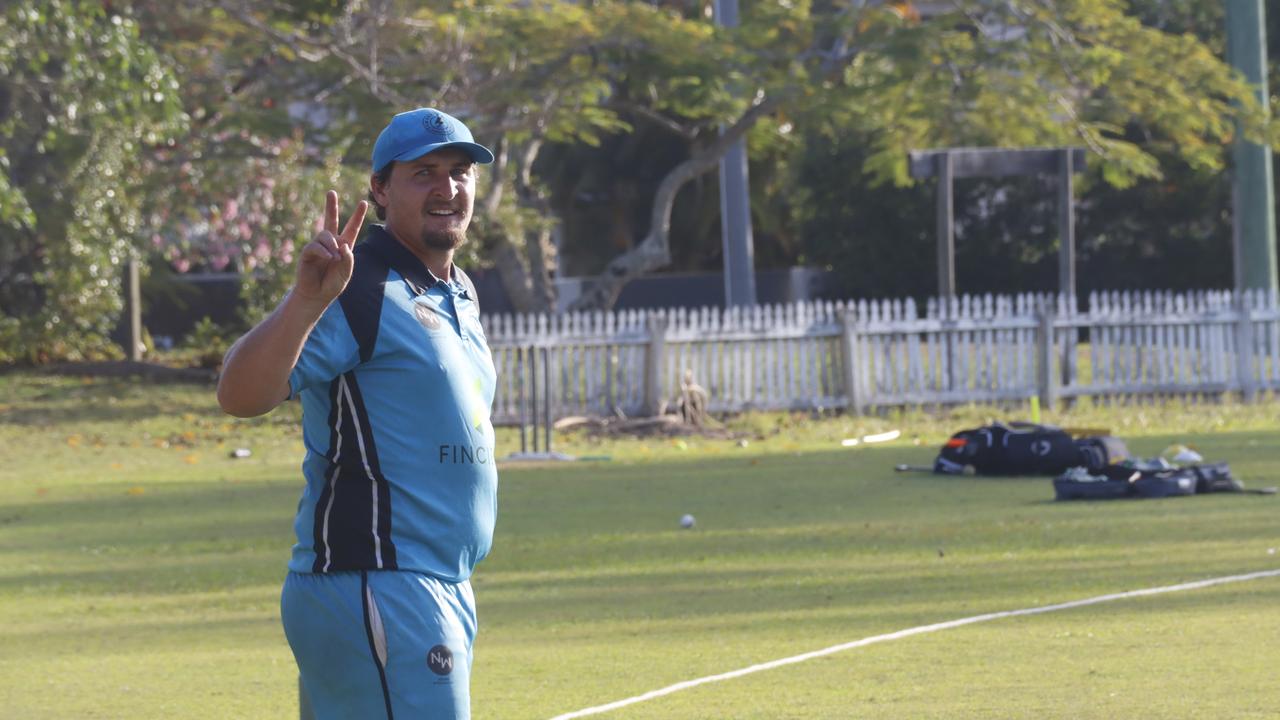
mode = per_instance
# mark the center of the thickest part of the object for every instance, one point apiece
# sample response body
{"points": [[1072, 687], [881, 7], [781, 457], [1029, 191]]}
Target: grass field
{"points": [[140, 568]]}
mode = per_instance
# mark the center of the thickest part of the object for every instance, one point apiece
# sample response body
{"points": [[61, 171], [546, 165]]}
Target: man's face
{"points": [[429, 200]]}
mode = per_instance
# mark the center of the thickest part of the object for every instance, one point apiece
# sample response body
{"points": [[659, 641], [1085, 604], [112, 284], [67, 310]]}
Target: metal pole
{"points": [[1067, 259], [1046, 383], [735, 203], [1066, 226], [1254, 226], [946, 229]]}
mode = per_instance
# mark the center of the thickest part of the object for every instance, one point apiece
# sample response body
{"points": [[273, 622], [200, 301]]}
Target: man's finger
{"points": [[331, 211], [352, 230], [317, 252], [327, 241]]}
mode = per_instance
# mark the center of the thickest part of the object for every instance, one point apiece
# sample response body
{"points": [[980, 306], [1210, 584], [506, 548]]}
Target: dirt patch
{"points": [[661, 426]]}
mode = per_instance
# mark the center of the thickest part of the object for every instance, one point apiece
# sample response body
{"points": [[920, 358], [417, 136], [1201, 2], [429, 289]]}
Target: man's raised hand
{"points": [[325, 265]]}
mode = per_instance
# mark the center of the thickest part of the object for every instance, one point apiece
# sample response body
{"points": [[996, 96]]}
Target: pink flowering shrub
{"points": [[250, 215]]}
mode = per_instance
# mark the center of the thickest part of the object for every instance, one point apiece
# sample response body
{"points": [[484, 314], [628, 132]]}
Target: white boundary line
{"points": [[920, 630]]}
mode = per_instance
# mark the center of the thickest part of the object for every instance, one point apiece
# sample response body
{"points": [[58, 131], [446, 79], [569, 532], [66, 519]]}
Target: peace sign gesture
{"points": [[325, 265]]}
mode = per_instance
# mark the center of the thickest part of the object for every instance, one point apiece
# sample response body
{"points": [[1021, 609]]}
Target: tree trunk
{"points": [[654, 250], [513, 274], [541, 253], [523, 256]]}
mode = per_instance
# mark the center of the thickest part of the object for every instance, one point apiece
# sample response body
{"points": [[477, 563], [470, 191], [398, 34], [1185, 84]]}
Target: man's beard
{"points": [[443, 240]]}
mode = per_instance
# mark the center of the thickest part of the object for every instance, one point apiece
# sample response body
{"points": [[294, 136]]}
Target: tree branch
{"points": [[497, 177], [314, 50], [684, 131], [654, 250]]}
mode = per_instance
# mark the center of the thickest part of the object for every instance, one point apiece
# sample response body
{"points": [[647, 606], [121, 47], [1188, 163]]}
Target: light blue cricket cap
{"points": [[412, 134]]}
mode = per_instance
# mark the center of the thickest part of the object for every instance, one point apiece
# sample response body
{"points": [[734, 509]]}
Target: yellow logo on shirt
{"points": [[481, 412]]}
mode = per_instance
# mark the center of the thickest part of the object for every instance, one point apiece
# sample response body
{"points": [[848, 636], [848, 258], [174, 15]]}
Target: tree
{"points": [[81, 95], [242, 188], [284, 95], [1166, 226], [348, 66], [1077, 72], [556, 74]]}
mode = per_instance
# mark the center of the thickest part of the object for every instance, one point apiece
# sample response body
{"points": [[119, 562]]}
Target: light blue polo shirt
{"points": [[396, 382]]}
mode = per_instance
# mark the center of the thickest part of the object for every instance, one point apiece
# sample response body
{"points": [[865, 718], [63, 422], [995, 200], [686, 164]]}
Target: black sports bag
{"points": [[1025, 449]]}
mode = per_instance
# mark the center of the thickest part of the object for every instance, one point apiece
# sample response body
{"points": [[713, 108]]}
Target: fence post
{"points": [[133, 310], [1046, 381], [1244, 348], [533, 392], [654, 354], [522, 408], [546, 400], [849, 350]]}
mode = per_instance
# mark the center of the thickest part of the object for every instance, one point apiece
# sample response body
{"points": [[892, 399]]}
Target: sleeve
{"points": [[331, 349]]}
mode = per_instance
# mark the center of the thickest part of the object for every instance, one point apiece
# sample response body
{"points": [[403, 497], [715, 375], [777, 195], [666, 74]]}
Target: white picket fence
{"points": [[867, 354]]}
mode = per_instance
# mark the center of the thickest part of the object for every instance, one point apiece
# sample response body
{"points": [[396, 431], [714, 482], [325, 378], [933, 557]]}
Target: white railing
{"points": [[879, 353]]}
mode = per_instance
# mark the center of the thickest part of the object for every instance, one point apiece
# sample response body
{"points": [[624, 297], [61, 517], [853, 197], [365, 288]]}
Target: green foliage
{"points": [[593, 104], [1168, 233], [1066, 73], [208, 341], [10, 340], [1153, 105], [82, 99]]}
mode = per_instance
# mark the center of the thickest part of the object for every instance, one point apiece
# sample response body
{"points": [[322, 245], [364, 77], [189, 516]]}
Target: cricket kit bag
{"points": [[1144, 479], [1025, 449]]}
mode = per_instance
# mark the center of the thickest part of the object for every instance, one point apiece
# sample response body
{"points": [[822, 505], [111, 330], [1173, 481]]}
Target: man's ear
{"points": [[377, 190]]}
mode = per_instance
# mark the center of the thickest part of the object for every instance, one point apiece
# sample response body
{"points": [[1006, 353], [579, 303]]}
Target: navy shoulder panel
{"points": [[470, 286], [362, 299]]}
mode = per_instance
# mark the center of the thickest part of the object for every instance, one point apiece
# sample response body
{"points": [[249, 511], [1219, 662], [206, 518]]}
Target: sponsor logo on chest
{"points": [[427, 317]]}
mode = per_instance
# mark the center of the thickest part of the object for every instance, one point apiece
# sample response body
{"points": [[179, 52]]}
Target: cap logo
{"points": [[434, 122]]}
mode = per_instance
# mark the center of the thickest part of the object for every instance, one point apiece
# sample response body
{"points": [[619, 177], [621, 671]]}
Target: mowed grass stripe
{"points": [[1202, 654], [911, 632]]}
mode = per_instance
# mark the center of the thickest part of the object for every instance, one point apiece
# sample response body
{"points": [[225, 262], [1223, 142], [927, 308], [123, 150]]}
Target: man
{"points": [[396, 381]]}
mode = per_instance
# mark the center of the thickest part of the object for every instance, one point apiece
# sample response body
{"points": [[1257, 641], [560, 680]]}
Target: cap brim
{"points": [[480, 154]]}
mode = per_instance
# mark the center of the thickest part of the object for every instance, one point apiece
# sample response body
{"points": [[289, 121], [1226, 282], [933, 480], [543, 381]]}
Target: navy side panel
{"points": [[331, 477], [384, 556]]}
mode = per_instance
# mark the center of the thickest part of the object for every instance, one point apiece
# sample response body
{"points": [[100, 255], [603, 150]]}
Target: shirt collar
{"points": [[400, 259]]}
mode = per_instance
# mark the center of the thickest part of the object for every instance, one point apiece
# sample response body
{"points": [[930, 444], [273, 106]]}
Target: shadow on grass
{"points": [[115, 400], [677, 603], [149, 635], [65, 400], [193, 538]]}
